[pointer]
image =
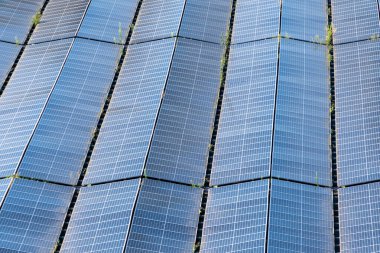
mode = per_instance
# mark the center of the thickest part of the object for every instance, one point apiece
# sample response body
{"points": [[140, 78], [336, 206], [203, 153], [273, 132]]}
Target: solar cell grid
{"points": [[298, 21], [206, 20], [165, 219], [236, 218], [179, 149], [158, 19], [24, 98], [357, 111], [255, 20], [16, 18], [355, 20], [359, 218], [61, 19], [243, 144], [8, 54], [101, 218], [302, 130], [301, 218], [60, 142], [123, 142], [104, 18], [4, 184], [32, 216]]}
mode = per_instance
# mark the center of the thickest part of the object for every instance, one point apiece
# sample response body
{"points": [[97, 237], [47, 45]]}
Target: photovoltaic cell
{"points": [[236, 218], [357, 79], [355, 20], [16, 18], [165, 219], [255, 20], [179, 149], [32, 216], [61, 19], [4, 184], [158, 19], [8, 54], [61, 140], [304, 19], [243, 145], [25, 97], [101, 218], [206, 20], [301, 218], [104, 18], [359, 218], [124, 138], [302, 130]]}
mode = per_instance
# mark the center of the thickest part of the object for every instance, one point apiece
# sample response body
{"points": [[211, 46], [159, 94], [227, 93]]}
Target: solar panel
{"points": [[243, 145], [24, 98], [304, 19], [32, 216], [61, 140], [355, 20], [359, 218], [302, 129], [61, 19], [236, 218], [301, 218], [16, 18], [101, 218], [4, 184], [158, 19], [165, 219], [179, 149], [124, 138], [357, 92], [206, 20], [8, 54], [255, 20], [104, 19]]}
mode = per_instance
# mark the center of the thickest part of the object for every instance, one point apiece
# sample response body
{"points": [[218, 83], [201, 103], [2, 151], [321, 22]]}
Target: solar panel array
{"points": [[302, 128], [355, 20], [357, 109], [16, 19], [142, 186], [359, 218]]}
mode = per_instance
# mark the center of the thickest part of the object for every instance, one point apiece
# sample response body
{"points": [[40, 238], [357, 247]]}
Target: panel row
{"points": [[166, 217], [302, 126], [260, 19]]}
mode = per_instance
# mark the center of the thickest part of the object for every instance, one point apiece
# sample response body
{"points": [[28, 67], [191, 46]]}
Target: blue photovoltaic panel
{"points": [[357, 90], [24, 98], [61, 19], [158, 19], [359, 218], [61, 140], [301, 148], [165, 218], [206, 20], [255, 20], [4, 184], [16, 18], [355, 20], [8, 54], [179, 149], [124, 138], [32, 216], [244, 139], [304, 19], [236, 218], [104, 18], [101, 218], [301, 218]]}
